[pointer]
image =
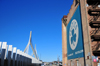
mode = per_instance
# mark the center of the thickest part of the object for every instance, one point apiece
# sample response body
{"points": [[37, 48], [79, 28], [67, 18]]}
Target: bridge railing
{"points": [[10, 56]]}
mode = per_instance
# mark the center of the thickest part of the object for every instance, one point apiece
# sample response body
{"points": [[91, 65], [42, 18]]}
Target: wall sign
{"points": [[74, 36]]}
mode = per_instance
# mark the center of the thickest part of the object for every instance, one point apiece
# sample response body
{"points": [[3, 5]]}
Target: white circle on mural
{"points": [[73, 34]]}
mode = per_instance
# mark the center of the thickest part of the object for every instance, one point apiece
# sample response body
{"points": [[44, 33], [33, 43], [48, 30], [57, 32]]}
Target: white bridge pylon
{"points": [[30, 43]]}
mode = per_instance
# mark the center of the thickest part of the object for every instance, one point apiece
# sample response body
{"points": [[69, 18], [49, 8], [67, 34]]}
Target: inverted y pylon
{"points": [[30, 43]]}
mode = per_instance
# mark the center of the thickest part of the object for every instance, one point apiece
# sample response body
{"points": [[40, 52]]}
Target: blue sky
{"points": [[42, 17]]}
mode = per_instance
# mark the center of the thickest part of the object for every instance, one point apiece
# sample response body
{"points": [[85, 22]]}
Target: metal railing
{"points": [[95, 47]]}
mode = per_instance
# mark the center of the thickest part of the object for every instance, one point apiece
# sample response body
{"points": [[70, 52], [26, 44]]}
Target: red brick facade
{"points": [[89, 43]]}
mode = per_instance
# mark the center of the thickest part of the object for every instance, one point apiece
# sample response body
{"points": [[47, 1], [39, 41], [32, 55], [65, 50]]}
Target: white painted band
{"points": [[10, 48], [23, 54], [14, 50], [18, 51], [4, 45]]}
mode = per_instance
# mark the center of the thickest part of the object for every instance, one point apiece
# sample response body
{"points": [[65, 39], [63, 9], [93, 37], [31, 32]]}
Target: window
{"points": [[77, 63]]}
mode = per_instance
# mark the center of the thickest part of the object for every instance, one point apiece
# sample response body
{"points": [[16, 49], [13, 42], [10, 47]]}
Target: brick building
{"points": [[87, 17]]}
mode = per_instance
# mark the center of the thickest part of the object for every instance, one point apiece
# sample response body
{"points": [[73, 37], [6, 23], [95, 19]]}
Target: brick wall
{"points": [[86, 36], [64, 45]]}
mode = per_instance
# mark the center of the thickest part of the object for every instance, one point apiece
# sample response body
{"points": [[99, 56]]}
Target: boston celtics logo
{"points": [[73, 34]]}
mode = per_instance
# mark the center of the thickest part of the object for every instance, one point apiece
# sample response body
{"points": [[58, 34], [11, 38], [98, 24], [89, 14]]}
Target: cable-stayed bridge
{"points": [[11, 56], [30, 43]]}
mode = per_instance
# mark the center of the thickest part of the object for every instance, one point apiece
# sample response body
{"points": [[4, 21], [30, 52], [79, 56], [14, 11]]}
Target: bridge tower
{"points": [[30, 43]]}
